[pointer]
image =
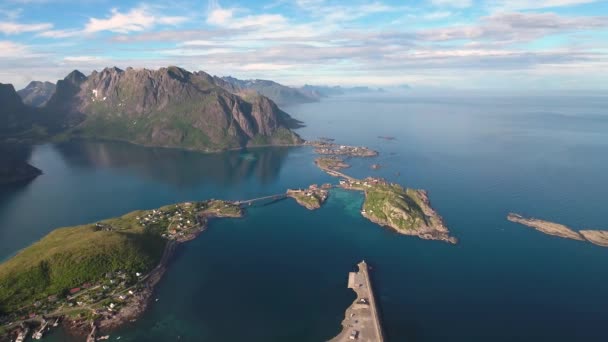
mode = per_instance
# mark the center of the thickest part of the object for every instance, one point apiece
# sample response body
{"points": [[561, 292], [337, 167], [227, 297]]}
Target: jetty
{"points": [[40, 333], [93, 334], [361, 321]]}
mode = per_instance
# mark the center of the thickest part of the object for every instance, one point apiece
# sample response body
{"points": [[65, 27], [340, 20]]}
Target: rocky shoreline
{"points": [[311, 198], [596, 237], [139, 302], [433, 229]]}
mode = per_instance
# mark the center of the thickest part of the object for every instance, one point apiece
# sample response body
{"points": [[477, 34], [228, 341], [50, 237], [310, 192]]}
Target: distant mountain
{"points": [[37, 93], [326, 91], [168, 107], [281, 94]]}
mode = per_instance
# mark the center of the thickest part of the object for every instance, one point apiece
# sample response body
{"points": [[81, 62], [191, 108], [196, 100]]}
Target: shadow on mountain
{"points": [[177, 167], [14, 169]]}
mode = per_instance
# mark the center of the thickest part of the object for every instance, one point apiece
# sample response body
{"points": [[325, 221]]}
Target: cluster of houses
{"points": [[324, 147], [362, 184], [178, 221]]}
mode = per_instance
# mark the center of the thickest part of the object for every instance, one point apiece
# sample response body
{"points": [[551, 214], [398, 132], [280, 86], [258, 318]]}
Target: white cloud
{"points": [[82, 59], [10, 28], [452, 3], [59, 33], [514, 5], [137, 19], [12, 49], [225, 17], [437, 15], [515, 27]]}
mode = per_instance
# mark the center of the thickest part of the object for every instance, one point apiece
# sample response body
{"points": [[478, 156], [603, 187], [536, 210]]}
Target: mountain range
{"points": [[168, 107], [281, 94]]}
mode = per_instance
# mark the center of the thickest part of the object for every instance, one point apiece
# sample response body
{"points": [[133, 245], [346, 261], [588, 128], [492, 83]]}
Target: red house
{"points": [[75, 290]]}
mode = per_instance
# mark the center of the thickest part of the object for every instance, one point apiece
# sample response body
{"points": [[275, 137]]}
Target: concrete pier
{"points": [[361, 321]]}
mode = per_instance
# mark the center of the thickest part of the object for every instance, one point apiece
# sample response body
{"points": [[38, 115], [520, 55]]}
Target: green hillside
{"points": [[70, 257]]}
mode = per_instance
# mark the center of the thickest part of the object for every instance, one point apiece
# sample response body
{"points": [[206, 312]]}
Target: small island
{"points": [[597, 237], [311, 198], [407, 211], [331, 163], [329, 148]]}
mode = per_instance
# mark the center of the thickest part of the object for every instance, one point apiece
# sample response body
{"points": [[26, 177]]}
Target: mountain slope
{"points": [[15, 117], [37, 93], [279, 93], [169, 107]]}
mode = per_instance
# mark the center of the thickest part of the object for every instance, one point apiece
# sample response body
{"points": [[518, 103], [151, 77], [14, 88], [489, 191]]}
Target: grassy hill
{"points": [[395, 206], [69, 257]]}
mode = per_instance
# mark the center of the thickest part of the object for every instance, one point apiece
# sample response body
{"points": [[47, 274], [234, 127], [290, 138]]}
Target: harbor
{"points": [[361, 319]]}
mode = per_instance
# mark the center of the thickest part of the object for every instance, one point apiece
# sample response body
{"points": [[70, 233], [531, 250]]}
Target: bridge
{"points": [[259, 199]]}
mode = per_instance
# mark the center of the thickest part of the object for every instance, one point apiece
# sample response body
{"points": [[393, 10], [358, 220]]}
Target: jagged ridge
{"points": [[168, 107]]}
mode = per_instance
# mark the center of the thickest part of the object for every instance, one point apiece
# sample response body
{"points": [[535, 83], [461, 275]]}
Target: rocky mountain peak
{"points": [[75, 77]]}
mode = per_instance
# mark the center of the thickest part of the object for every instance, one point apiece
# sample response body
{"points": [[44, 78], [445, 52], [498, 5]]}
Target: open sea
{"points": [[280, 273]]}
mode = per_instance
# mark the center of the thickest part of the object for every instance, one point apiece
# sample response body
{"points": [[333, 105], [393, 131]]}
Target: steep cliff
{"points": [[168, 107]]}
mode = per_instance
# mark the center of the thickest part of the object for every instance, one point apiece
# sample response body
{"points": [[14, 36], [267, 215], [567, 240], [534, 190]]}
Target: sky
{"points": [[435, 44]]}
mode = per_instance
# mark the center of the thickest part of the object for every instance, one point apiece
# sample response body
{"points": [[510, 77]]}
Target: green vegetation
{"points": [[39, 277], [70, 257], [311, 198], [282, 136], [220, 209], [331, 163], [393, 205]]}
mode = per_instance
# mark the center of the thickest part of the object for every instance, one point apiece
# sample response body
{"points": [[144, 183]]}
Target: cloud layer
{"points": [[453, 43]]}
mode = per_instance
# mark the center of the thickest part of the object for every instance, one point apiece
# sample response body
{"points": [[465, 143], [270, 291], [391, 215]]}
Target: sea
{"points": [[280, 273]]}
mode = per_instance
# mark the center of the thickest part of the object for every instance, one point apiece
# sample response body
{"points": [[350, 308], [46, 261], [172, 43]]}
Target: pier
{"points": [[361, 321]]}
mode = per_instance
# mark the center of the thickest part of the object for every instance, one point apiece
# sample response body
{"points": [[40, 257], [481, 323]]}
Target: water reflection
{"points": [[178, 167]]}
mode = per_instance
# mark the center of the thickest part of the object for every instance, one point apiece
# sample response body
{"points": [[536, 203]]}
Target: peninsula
{"points": [[103, 272], [597, 237], [331, 163]]}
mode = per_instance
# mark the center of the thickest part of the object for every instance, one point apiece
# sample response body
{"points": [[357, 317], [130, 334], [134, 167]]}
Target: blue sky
{"points": [[455, 44]]}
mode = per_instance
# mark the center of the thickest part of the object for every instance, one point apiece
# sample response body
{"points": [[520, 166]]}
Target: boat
{"points": [[38, 334], [22, 335]]}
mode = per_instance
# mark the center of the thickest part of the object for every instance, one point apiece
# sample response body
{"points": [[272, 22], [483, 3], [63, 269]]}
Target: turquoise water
{"points": [[279, 274]]}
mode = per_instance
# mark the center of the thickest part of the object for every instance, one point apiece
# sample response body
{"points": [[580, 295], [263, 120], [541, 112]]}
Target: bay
{"points": [[280, 273]]}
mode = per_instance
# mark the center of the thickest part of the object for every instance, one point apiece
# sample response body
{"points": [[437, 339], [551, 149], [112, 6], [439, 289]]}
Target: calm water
{"points": [[280, 273]]}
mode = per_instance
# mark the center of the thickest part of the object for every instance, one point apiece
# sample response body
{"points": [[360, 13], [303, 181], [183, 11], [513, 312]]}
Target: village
{"points": [[105, 297], [325, 147], [311, 198]]}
